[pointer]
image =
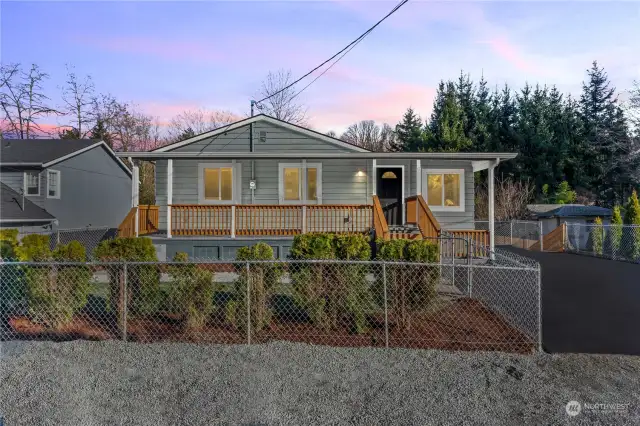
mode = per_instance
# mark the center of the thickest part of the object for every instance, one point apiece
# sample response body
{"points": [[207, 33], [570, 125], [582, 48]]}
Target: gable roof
{"points": [[544, 208], [264, 118], [10, 210], [47, 152], [574, 210]]}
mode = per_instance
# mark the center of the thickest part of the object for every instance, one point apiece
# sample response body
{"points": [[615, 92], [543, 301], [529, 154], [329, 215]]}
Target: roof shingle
{"points": [[39, 150], [10, 209]]}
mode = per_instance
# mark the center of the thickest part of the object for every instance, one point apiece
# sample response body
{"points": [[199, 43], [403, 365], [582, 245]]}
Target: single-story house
{"points": [[63, 184], [264, 179], [553, 215]]}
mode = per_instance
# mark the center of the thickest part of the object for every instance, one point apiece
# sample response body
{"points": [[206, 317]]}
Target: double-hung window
{"points": [[53, 184], [217, 183], [443, 190], [300, 183], [32, 183]]}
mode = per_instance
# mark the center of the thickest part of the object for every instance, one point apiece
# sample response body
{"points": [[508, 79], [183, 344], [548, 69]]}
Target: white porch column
{"points": [[418, 177], [373, 177], [492, 212], [135, 196], [169, 194]]}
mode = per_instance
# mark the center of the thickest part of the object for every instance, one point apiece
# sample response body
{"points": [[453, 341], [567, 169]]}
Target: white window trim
{"points": [[303, 182], [425, 188], [59, 180], [24, 184], [235, 182]]}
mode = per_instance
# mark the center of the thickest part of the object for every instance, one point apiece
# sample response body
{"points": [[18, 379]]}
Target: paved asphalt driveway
{"points": [[589, 305]]}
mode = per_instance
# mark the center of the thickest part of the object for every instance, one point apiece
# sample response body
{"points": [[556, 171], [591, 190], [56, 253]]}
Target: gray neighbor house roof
{"points": [[568, 210], [15, 208], [39, 151]]}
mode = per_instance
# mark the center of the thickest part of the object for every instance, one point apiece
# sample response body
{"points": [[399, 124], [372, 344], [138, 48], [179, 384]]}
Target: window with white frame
{"points": [[217, 183], [32, 183], [443, 190], [298, 187], [53, 184]]}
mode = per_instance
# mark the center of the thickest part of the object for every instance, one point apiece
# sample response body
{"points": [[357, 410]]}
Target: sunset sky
{"points": [[170, 56]]}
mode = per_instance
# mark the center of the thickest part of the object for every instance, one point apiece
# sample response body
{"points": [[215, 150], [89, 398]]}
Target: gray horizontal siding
{"points": [[278, 139], [340, 184], [14, 179]]}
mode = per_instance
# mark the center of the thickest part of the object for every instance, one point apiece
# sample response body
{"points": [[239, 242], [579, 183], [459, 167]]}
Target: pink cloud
{"points": [[511, 53]]}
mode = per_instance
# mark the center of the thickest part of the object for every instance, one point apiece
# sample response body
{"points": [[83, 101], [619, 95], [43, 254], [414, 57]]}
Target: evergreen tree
{"points": [[446, 129], [69, 133], [482, 110], [100, 132], [615, 231], [409, 133], [465, 95]]}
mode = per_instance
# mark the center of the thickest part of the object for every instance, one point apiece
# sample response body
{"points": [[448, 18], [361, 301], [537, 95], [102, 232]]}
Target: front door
{"points": [[389, 191]]}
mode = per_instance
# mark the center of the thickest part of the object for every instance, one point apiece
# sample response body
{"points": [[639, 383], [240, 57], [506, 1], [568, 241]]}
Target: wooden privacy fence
{"points": [[148, 218]]}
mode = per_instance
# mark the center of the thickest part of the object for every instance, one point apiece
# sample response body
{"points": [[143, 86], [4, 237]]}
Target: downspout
{"points": [[251, 150]]}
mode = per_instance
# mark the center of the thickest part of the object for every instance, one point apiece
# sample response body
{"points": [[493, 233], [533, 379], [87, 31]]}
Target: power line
{"points": [[345, 49]]}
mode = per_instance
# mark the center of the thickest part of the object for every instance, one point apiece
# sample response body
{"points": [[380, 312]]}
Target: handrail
{"points": [[478, 237], [148, 219], [127, 228], [427, 223], [379, 221]]}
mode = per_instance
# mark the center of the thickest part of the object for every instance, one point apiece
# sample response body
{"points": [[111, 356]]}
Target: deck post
{"points": [[492, 213], [304, 219], [373, 177], [169, 194], [233, 221], [135, 197]]}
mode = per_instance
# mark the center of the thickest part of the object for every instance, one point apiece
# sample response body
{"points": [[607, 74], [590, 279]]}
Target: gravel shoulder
{"points": [[99, 383]]}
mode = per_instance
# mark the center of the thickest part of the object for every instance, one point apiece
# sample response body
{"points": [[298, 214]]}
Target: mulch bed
{"points": [[463, 324]]}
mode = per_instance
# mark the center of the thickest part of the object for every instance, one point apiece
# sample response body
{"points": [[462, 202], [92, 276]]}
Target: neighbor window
{"points": [[216, 183], [32, 183], [53, 184], [298, 187], [444, 189]]}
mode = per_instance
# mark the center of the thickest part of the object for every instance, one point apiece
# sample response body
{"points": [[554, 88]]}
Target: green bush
{"points": [[262, 279], [191, 292], [55, 292], [632, 217], [8, 243], [332, 294], [143, 281], [408, 287], [34, 248], [597, 237], [615, 231]]}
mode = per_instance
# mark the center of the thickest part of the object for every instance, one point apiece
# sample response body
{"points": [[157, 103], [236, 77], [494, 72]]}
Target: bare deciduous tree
{"points": [[194, 122], [368, 135], [78, 100], [282, 104], [23, 101], [511, 199], [332, 134]]}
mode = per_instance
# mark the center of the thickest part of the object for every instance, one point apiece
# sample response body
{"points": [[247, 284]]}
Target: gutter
{"points": [[317, 155]]}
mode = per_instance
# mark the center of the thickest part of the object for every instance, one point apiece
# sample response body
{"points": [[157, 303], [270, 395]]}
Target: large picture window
{"points": [[298, 187], [443, 190], [32, 183], [217, 183]]}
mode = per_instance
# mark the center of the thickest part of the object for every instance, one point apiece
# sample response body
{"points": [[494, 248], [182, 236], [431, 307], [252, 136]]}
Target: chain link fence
{"points": [[458, 306], [516, 233], [89, 237], [617, 242]]}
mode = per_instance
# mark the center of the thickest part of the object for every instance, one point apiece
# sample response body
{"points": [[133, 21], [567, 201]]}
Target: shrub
{"points": [[632, 217], [143, 281], [331, 294], [597, 237], [191, 293], [262, 279], [409, 287], [55, 293], [8, 243], [34, 248], [615, 230]]}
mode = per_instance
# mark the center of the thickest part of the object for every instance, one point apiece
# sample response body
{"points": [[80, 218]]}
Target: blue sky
{"points": [[171, 56]]}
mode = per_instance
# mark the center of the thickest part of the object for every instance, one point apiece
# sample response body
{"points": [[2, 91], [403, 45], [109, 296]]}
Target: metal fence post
{"points": [[539, 309], [511, 234], [124, 304], [541, 236], [248, 306], [469, 262], [57, 237], [386, 313]]}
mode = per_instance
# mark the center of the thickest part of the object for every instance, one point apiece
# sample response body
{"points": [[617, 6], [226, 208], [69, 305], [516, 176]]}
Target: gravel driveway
{"points": [[114, 383]]}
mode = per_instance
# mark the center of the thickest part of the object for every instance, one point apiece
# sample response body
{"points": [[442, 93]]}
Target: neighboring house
{"points": [[265, 179], [553, 215], [62, 183]]}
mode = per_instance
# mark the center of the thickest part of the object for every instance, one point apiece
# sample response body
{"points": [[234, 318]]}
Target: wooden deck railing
{"points": [[379, 221], [148, 218], [269, 220], [427, 223], [127, 228], [479, 239]]}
